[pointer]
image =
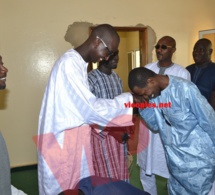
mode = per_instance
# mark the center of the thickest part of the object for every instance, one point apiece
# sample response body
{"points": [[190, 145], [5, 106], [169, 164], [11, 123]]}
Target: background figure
{"points": [[203, 71], [3, 74], [5, 182], [186, 129], [152, 161], [69, 109], [109, 155]]}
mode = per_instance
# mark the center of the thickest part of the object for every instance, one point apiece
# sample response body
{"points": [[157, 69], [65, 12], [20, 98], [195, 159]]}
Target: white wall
{"points": [[32, 38]]}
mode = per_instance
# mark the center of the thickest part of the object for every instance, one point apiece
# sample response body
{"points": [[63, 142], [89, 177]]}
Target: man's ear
{"points": [[150, 80], [96, 42], [173, 50], [210, 51]]}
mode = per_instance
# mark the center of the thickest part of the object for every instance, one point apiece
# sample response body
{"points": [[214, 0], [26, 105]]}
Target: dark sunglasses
{"points": [[162, 46]]}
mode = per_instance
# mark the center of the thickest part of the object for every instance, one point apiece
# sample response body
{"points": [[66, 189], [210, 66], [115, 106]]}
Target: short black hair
{"points": [[106, 32], [206, 42], [138, 77]]}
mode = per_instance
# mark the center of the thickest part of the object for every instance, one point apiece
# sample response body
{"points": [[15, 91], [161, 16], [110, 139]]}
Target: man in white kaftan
{"points": [[187, 130], [68, 108]]}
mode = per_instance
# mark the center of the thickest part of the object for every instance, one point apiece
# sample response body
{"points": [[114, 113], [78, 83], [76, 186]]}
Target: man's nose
{"points": [[158, 50], [107, 58], [3, 69]]}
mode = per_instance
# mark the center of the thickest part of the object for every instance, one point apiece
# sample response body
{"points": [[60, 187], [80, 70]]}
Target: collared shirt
{"points": [[151, 157], [187, 132]]}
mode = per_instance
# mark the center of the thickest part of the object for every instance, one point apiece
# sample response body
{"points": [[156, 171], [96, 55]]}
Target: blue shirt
{"points": [[187, 131]]}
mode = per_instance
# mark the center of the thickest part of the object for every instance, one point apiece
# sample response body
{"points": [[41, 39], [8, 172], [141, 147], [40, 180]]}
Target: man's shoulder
{"points": [[115, 73], [71, 59], [212, 66], [71, 53], [92, 72], [174, 66], [190, 67], [177, 67], [150, 65], [179, 81], [93, 76]]}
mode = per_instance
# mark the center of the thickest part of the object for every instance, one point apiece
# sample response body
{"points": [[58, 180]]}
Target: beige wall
{"points": [[32, 38]]}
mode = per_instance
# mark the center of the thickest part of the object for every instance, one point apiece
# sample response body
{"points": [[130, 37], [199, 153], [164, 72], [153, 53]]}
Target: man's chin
{"points": [[114, 66], [2, 87], [197, 60]]}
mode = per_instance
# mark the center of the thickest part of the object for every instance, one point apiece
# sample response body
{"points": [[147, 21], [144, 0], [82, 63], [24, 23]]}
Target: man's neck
{"points": [[105, 70], [163, 81], [205, 64], [165, 64], [83, 52]]}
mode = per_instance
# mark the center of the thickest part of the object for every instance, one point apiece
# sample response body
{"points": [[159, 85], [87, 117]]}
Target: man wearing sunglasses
{"points": [[69, 108], [152, 161]]}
